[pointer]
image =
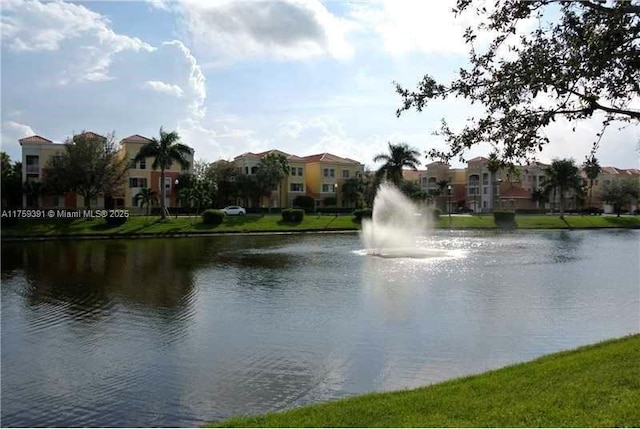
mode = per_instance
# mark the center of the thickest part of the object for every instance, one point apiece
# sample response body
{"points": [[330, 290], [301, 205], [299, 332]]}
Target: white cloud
{"points": [[33, 26], [285, 30], [164, 88], [407, 26], [197, 81], [11, 133]]}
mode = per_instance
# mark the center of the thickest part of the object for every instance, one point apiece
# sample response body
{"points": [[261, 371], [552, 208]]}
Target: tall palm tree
{"points": [[540, 196], [353, 189], [442, 188], [400, 156], [272, 168], [563, 175], [164, 152], [146, 197], [493, 165], [592, 169]]}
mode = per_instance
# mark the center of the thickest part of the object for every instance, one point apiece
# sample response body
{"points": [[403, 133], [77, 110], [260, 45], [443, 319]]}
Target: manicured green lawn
{"points": [[594, 386], [154, 225], [137, 225]]}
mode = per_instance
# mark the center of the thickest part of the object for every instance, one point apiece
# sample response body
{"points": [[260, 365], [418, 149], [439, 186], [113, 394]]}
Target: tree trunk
{"points": [[163, 196]]}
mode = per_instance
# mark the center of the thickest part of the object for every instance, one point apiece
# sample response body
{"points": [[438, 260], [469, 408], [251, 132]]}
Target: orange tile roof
{"points": [[34, 139], [478, 159], [136, 138], [328, 157], [91, 135], [434, 163]]}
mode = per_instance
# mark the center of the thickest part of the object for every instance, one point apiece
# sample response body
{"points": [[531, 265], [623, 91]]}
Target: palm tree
{"points": [[353, 189], [592, 169], [146, 197], [442, 187], [540, 197], [400, 156], [272, 168], [563, 175], [164, 152], [493, 165]]}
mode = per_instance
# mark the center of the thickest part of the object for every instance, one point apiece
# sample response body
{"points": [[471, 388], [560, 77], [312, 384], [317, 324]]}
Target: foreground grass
{"points": [[594, 386], [141, 225]]}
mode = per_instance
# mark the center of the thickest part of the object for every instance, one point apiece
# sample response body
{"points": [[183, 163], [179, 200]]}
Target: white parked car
{"points": [[234, 211]]}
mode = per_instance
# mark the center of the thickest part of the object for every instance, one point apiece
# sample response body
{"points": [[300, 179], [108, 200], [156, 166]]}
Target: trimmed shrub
{"points": [[330, 201], [435, 214], [362, 214], [293, 215], [304, 202], [116, 220], [531, 211], [333, 210], [504, 219], [212, 217]]}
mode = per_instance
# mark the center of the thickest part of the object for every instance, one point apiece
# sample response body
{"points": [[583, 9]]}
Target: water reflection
{"points": [[81, 275]]}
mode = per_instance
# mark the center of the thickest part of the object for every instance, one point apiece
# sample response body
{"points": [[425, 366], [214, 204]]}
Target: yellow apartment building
{"points": [[319, 176], [326, 176]]}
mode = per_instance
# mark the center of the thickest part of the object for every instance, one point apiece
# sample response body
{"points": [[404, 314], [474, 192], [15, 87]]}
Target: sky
{"points": [[230, 77]]}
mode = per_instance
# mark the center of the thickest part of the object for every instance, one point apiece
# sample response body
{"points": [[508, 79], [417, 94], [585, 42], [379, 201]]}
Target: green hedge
{"points": [[304, 202], [504, 219], [115, 220], [293, 215], [363, 214], [212, 217]]}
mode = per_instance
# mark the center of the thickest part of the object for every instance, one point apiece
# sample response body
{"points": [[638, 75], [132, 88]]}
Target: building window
{"points": [[143, 164], [300, 171], [345, 174], [485, 190], [254, 170], [33, 164], [294, 170], [329, 172], [246, 170], [328, 188], [137, 182], [296, 187]]}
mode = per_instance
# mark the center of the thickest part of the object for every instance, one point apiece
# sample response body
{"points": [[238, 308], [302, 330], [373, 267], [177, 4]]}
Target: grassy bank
{"points": [[594, 386], [141, 225]]}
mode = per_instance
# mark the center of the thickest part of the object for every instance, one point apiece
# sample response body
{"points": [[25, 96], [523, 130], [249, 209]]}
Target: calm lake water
{"points": [[178, 332]]}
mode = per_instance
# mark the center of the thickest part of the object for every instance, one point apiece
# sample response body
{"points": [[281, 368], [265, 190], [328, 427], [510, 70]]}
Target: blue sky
{"points": [[300, 76]]}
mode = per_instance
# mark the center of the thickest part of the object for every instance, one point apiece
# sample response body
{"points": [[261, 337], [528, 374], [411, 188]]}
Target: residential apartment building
{"points": [[142, 175], [513, 188], [37, 151], [319, 176]]}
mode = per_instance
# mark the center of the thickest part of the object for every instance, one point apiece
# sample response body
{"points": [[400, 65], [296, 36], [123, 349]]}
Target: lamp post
{"points": [[335, 195], [449, 192], [176, 191]]}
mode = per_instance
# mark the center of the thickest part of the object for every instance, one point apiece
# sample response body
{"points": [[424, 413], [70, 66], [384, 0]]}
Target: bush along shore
{"points": [[213, 222], [593, 386]]}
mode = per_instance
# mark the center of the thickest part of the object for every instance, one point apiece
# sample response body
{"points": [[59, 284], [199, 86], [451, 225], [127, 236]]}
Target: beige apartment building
{"points": [[472, 188], [37, 151]]}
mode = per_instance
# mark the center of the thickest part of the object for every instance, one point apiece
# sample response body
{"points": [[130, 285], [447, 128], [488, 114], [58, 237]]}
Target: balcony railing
{"points": [[33, 168]]}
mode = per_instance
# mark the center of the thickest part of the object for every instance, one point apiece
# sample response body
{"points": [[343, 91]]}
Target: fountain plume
{"points": [[396, 224]]}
